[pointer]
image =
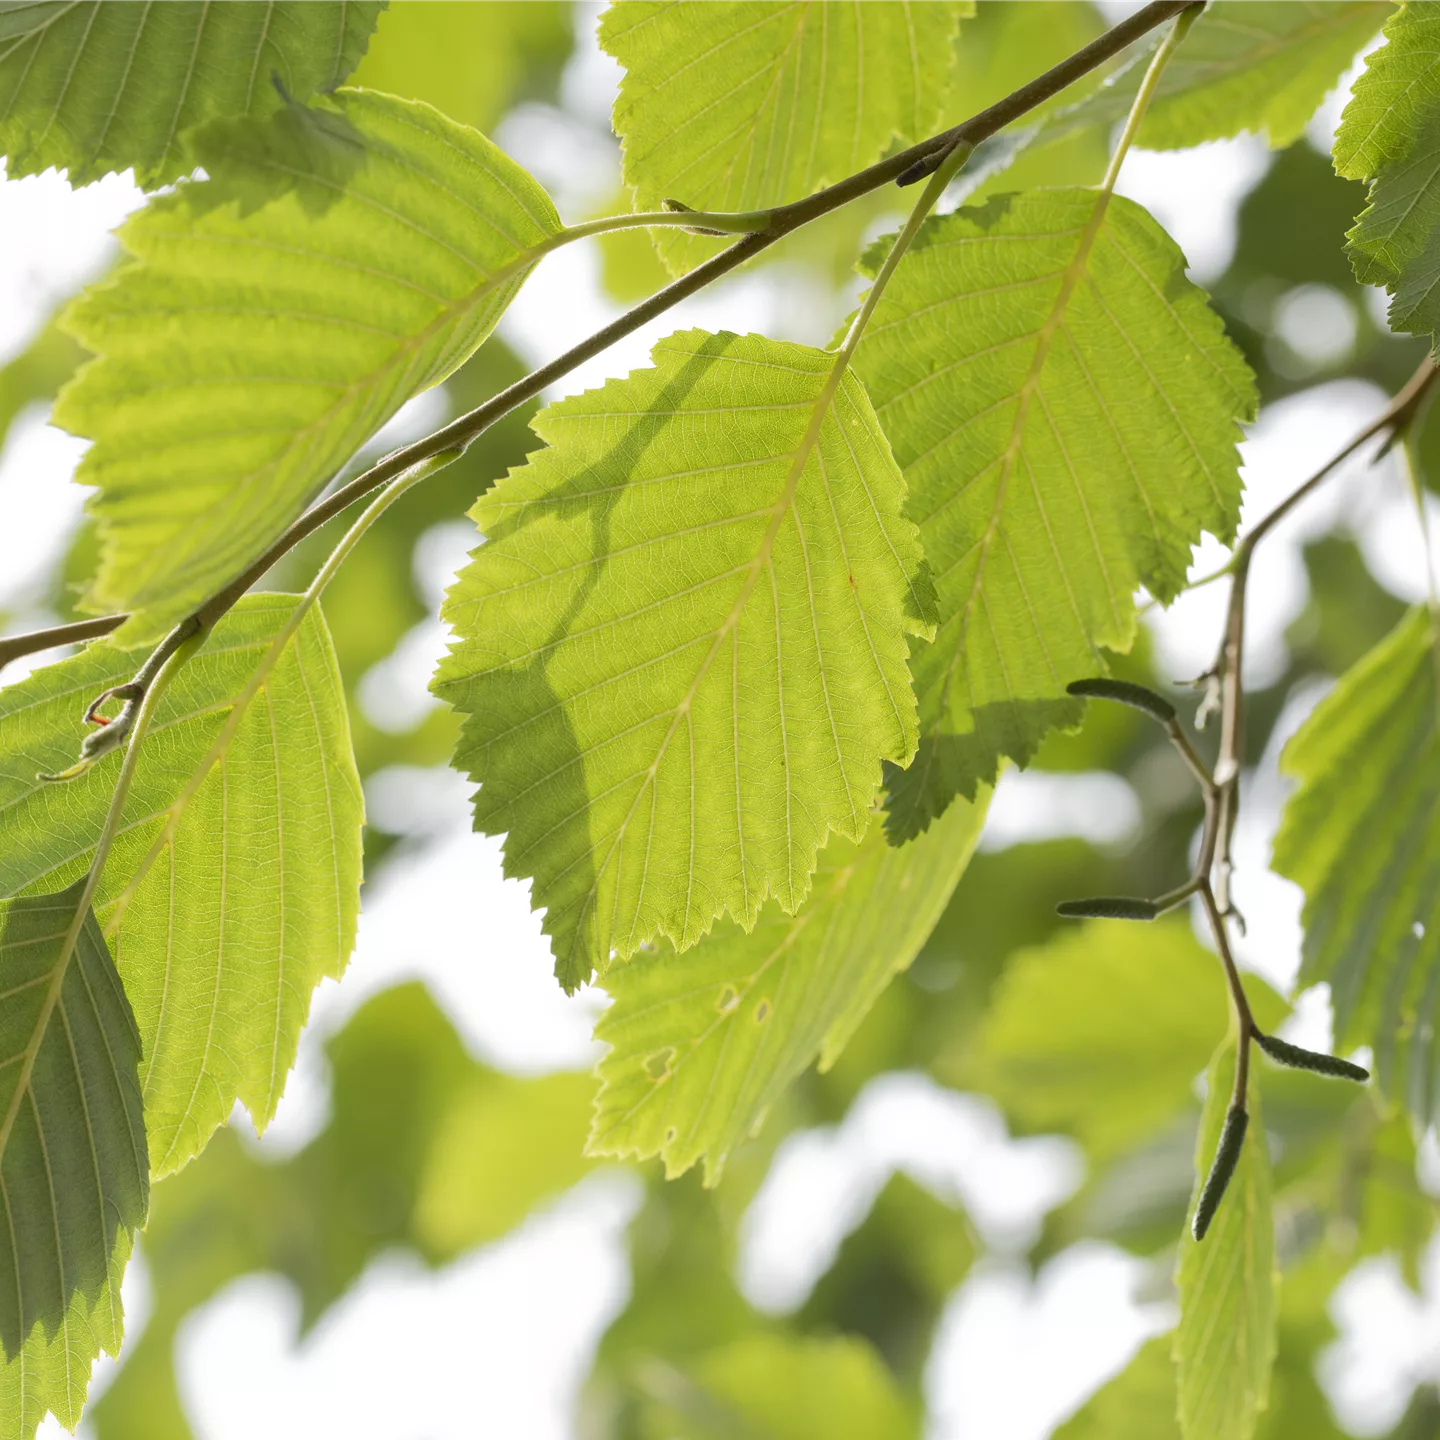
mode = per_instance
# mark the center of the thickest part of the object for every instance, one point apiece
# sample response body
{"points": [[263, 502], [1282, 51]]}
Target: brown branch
{"points": [[1226, 673], [906, 166], [12, 647]]}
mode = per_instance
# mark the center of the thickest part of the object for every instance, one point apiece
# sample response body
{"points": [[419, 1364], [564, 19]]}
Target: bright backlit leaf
{"points": [[1395, 95], [94, 87], [1258, 65], [1225, 1346], [1065, 406], [1390, 135], [74, 1178], [682, 647], [1075, 1021], [338, 261], [736, 105], [703, 1043], [469, 60], [1361, 836], [232, 888]]}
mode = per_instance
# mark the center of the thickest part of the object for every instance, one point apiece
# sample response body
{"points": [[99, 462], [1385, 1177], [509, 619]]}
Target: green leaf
{"points": [[681, 651], [468, 61], [1390, 135], [741, 106], [501, 1144], [1138, 1404], [702, 1044], [232, 887], [1225, 1346], [1394, 97], [780, 1387], [339, 261], [1259, 65], [1101, 1032], [1361, 836], [1064, 404], [91, 88], [74, 1178]]}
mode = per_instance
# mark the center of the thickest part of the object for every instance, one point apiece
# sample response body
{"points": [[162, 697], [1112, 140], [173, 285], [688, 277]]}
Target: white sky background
{"points": [[499, 1342]]}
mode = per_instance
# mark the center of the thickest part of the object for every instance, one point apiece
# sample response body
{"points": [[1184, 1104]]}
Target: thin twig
{"points": [[33, 641], [464, 430], [1226, 675]]}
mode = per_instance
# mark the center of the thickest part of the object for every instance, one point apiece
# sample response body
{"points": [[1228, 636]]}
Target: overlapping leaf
{"points": [[232, 888], [92, 87], [1259, 65], [739, 106], [338, 261], [703, 1043], [1362, 837], [1064, 404], [1225, 1346], [682, 649], [1077, 1023], [74, 1178], [1390, 135]]}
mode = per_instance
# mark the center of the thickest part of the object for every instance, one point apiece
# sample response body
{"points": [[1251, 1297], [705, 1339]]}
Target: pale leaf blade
{"points": [[1361, 837], [702, 1044], [1257, 65], [741, 106], [1225, 1344], [339, 261], [1066, 407], [92, 88], [682, 648], [233, 885], [1390, 135]]}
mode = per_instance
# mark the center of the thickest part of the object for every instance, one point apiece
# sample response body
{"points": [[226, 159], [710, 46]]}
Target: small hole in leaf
{"points": [[1418, 930], [762, 1012], [670, 1135], [657, 1066], [728, 1000]]}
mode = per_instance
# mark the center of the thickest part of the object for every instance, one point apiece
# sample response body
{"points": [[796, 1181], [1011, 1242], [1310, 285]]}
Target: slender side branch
{"points": [[1224, 680], [463, 431]]}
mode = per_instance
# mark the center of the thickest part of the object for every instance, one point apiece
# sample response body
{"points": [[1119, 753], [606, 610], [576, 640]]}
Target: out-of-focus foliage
{"points": [[1052, 1053], [779, 1388], [385, 1171]]}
